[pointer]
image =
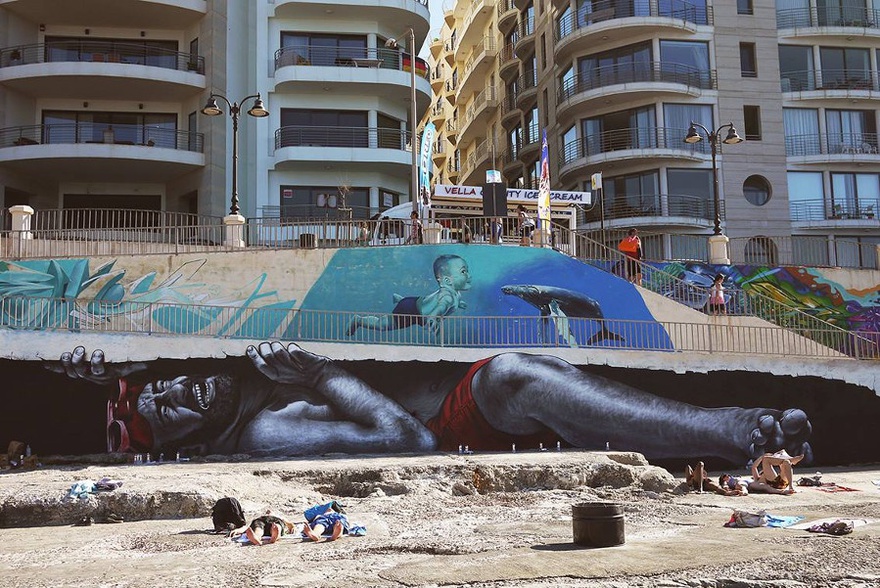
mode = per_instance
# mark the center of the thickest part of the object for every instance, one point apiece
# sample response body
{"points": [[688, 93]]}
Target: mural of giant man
{"points": [[292, 402]]}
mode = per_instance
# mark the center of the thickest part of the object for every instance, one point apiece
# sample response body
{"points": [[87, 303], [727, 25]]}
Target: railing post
{"points": [[21, 227], [233, 236]]}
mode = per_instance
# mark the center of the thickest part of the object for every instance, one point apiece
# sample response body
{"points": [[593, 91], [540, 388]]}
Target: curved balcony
{"points": [[438, 154], [377, 149], [582, 31], [453, 168], [508, 62], [648, 79], [436, 48], [449, 17], [452, 130], [449, 52], [101, 69], [527, 91], [653, 210], [852, 214], [473, 173], [379, 72], [531, 146], [478, 65], [135, 14], [473, 25], [507, 16], [510, 162], [101, 153], [837, 147], [450, 90], [510, 111], [438, 78], [831, 84], [647, 143], [412, 12], [477, 114], [837, 20], [438, 113], [525, 42]]}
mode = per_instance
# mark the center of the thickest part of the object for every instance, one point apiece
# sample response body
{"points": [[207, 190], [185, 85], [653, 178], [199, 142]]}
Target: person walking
{"points": [[631, 247], [716, 296]]}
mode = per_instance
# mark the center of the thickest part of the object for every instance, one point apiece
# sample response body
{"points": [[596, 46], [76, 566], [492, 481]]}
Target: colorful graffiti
{"points": [[67, 293]]}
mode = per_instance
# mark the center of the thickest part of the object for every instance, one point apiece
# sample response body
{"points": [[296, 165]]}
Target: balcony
{"points": [[832, 83], [477, 65], [477, 162], [476, 115], [101, 153], [412, 12], [439, 155], [850, 213], [527, 91], [101, 69], [507, 16], [453, 168], [508, 62], [451, 90], [649, 79], [134, 14], [452, 130], [610, 22], [842, 147], [438, 78], [510, 112], [382, 150], [633, 143], [654, 210], [525, 42], [831, 20], [438, 113], [436, 48], [472, 26]]}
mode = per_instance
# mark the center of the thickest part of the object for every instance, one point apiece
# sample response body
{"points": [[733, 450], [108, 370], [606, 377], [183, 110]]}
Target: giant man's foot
{"points": [[776, 430]]}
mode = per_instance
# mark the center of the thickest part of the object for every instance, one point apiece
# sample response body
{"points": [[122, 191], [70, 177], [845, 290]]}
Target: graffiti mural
{"points": [[282, 400], [67, 293]]}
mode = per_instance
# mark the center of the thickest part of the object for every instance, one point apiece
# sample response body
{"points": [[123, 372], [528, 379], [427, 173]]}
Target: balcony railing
{"points": [[803, 251], [829, 16], [625, 139], [101, 52], [610, 10], [363, 137], [319, 55], [804, 211], [672, 73], [121, 134], [654, 205], [836, 144], [830, 79]]}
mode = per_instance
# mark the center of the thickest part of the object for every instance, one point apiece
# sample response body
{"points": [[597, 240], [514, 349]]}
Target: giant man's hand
{"points": [[94, 369], [290, 365]]}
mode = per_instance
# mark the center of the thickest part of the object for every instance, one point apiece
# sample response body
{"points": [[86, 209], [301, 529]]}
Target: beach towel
{"points": [[806, 525], [781, 521], [832, 487]]}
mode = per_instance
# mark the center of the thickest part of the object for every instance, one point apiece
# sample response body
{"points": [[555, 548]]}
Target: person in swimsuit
{"points": [[453, 277], [267, 525]]}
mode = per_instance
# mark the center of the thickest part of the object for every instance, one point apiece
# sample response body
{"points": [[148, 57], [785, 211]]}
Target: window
{"points": [[853, 194], [744, 7], [752, 120], [121, 128], [748, 65], [138, 52], [322, 49], [845, 68], [543, 50], [756, 190], [851, 131], [806, 196], [629, 196], [677, 120], [323, 201], [532, 126], [796, 68], [616, 131], [692, 189], [801, 131], [570, 146], [330, 128], [624, 64]]}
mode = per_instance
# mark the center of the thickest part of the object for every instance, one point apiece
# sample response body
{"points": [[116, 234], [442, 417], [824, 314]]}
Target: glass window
{"points": [[681, 60], [852, 194], [677, 120], [532, 126], [618, 66], [796, 68], [801, 131], [331, 128], [851, 131], [324, 202], [845, 68], [691, 188], [806, 196], [748, 63], [752, 122], [744, 7], [756, 190], [570, 149]]}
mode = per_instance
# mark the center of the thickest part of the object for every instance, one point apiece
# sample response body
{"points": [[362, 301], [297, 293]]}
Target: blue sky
{"points": [[436, 9]]}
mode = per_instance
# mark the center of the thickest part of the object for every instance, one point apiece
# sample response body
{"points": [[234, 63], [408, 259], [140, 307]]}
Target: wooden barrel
{"points": [[597, 524]]}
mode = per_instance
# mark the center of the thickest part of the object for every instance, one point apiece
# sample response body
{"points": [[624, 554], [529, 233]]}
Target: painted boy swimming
{"points": [[453, 278]]}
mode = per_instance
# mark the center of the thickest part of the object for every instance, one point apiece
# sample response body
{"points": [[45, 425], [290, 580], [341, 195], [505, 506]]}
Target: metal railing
{"points": [[369, 57], [633, 138], [85, 50], [365, 137], [824, 210], [631, 73], [101, 133], [237, 322], [830, 79], [860, 143], [116, 218], [659, 205], [803, 251], [606, 10], [828, 16]]}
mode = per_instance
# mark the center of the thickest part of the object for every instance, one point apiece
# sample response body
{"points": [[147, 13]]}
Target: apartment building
{"points": [[101, 104], [617, 84]]}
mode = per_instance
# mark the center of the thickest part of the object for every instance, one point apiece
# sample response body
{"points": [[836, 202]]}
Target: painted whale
{"points": [[573, 304]]}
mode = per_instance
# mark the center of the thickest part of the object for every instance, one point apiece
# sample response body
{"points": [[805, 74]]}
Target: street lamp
{"points": [[394, 44], [257, 111], [731, 139]]}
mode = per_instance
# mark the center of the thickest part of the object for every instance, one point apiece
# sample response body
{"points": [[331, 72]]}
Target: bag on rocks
{"points": [[744, 518], [227, 514]]}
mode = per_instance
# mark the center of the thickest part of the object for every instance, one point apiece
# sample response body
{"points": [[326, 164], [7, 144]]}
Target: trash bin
{"points": [[597, 524], [307, 241]]}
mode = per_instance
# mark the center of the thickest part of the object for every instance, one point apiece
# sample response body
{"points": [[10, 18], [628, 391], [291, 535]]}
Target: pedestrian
{"points": [[526, 226], [416, 236], [716, 296], [631, 247]]}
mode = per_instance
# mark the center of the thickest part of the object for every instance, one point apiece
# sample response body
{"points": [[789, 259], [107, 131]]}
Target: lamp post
{"points": [[393, 43], [257, 111], [732, 138]]}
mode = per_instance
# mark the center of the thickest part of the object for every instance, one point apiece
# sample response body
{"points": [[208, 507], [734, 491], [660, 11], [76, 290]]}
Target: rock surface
{"points": [[437, 520]]}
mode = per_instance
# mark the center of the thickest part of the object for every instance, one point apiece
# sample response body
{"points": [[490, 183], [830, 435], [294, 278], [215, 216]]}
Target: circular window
{"points": [[756, 189]]}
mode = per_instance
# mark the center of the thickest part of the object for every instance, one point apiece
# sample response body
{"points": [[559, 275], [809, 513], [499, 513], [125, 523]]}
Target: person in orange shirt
{"points": [[631, 246]]}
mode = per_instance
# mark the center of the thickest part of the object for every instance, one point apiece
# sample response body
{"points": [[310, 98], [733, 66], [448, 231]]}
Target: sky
{"points": [[436, 9]]}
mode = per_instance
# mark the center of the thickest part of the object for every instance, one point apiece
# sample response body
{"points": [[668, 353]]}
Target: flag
{"points": [[544, 187], [426, 166]]}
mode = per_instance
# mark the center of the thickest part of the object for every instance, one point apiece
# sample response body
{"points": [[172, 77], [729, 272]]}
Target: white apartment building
{"points": [[101, 104], [617, 83]]}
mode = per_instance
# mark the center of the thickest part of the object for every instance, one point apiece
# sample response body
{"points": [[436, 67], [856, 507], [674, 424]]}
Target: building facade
{"points": [[101, 104], [617, 86]]}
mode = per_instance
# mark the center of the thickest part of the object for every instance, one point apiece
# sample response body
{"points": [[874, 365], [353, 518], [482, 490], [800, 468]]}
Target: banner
{"points": [[544, 187], [426, 166]]}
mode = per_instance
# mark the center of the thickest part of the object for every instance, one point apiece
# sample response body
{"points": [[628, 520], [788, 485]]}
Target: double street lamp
{"points": [[393, 43], [732, 138], [258, 110]]}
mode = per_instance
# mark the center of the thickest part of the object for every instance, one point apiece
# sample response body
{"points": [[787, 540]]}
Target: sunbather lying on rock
{"points": [[746, 484], [698, 480]]}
